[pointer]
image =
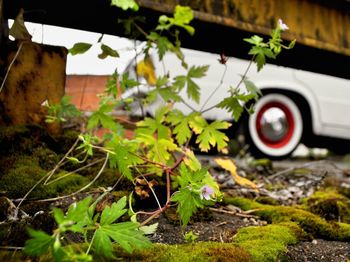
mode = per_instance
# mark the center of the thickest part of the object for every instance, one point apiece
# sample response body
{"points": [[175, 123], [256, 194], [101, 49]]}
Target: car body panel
{"points": [[328, 97]]}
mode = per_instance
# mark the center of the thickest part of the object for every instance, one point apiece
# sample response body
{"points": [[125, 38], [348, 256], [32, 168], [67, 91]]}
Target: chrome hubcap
{"points": [[274, 124]]}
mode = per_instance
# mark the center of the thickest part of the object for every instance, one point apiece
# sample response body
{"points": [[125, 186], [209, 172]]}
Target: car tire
{"points": [[275, 129]]}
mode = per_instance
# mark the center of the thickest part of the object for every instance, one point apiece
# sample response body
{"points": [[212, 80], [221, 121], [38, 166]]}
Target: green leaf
{"points": [[193, 91], [107, 51], [255, 40], [125, 4], [111, 214], [78, 210], [189, 177], [211, 136], [252, 89], [192, 88], [124, 157], [127, 235], [162, 42], [189, 202], [103, 244], [181, 122], [183, 15], [102, 116], [155, 126], [58, 215], [39, 243], [158, 149], [198, 71], [232, 105], [180, 82], [79, 48]]}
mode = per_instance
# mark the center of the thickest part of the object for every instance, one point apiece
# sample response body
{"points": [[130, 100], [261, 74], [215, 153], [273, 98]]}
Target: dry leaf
{"points": [[18, 29], [229, 165]]}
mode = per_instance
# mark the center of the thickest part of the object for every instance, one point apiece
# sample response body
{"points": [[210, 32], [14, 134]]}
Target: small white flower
{"points": [[206, 192], [282, 25], [45, 103]]}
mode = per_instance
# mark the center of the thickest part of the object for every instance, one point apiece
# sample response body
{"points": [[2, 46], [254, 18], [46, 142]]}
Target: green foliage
{"points": [[160, 145], [190, 237], [209, 134], [190, 196], [103, 117], [122, 158], [80, 218], [182, 17], [79, 48], [125, 4], [193, 90], [181, 123], [107, 51], [62, 111]]}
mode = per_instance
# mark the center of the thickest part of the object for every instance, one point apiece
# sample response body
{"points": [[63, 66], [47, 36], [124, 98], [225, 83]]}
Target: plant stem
{"points": [[10, 66]]}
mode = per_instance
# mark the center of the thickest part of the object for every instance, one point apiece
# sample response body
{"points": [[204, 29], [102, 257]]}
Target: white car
{"points": [[296, 106]]}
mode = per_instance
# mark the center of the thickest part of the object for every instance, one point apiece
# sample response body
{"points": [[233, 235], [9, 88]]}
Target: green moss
{"points": [[309, 222], [68, 184], [26, 172], [19, 180], [329, 204], [203, 251], [267, 200], [266, 243]]}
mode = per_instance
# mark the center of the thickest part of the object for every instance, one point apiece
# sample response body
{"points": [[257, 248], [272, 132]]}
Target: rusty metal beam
{"points": [[312, 23], [320, 26]]}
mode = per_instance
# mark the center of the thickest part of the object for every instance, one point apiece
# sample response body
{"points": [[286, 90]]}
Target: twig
{"points": [[50, 174], [11, 64], [83, 188], [11, 248], [216, 89], [232, 212], [74, 171]]}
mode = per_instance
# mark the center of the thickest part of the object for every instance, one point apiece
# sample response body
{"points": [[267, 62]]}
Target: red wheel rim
{"points": [[285, 139]]}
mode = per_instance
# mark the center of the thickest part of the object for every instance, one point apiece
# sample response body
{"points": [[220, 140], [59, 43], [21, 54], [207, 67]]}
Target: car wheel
{"points": [[275, 128]]}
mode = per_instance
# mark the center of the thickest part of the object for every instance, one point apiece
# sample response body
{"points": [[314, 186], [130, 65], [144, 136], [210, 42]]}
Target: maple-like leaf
{"points": [[232, 105], [189, 202], [126, 4], [155, 126], [209, 134], [124, 157], [181, 125], [229, 165]]}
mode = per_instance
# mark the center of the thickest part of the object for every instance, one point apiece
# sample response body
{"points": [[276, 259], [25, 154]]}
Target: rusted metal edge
{"points": [[246, 26]]}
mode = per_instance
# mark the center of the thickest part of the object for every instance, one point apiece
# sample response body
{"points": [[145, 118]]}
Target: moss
{"points": [[203, 251], [309, 222], [265, 243], [26, 171], [329, 204], [19, 180], [68, 184], [267, 200]]}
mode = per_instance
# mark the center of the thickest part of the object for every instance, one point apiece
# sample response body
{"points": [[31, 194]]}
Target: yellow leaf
{"points": [[191, 161], [145, 68], [229, 165]]}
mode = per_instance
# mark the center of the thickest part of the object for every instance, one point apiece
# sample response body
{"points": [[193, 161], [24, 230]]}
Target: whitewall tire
{"points": [[276, 127]]}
